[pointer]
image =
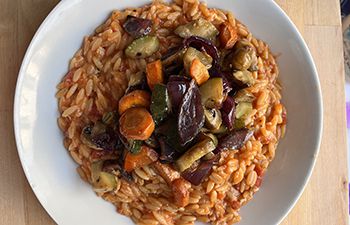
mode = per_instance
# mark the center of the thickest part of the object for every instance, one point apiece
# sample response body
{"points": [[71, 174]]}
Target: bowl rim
{"points": [[63, 3]]}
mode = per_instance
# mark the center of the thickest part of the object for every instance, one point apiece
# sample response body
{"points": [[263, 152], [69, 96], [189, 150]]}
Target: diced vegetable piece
{"points": [[228, 112], [226, 83], [105, 182], [142, 47], [208, 156], [244, 96], [199, 72], [234, 140], [197, 175], [168, 153], [136, 26], [202, 44], [200, 27], [154, 73], [244, 56], [212, 92], [243, 109], [110, 118], [144, 157], [204, 136], [137, 98], [192, 54], [244, 77], [136, 124], [96, 168], [177, 87], [180, 189], [173, 55], [239, 123], [213, 118], [99, 137], [191, 115], [228, 35], [193, 154], [166, 172], [137, 81], [168, 132], [160, 106]]}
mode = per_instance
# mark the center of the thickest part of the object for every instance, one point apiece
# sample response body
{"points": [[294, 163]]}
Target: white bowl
{"points": [[51, 171]]}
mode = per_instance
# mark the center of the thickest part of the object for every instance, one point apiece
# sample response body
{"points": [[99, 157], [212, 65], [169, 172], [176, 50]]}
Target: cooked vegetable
{"points": [[191, 54], [244, 96], [96, 168], [239, 123], [180, 189], [137, 98], [173, 55], [177, 87], [136, 124], [167, 153], [166, 172], [137, 81], [99, 137], [191, 115], [197, 175], [202, 44], [144, 157], [193, 154], [105, 182], [112, 165], [200, 27], [216, 72], [234, 140], [228, 112], [228, 35], [244, 77], [136, 26], [213, 118], [243, 109], [199, 72], [203, 136], [212, 93], [168, 132], [160, 106], [154, 73], [142, 47], [244, 56]]}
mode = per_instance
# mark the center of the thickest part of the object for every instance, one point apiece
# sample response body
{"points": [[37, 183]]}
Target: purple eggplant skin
{"points": [[167, 153], [177, 86], [191, 114], [137, 27], [197, 175], [203, 44], [233, 140], [228, 110]]}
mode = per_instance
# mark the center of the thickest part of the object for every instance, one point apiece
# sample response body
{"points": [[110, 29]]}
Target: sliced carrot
{"points": [[228, 35], [136, 123], [199, 72], [180, 188], [154, 73], [137, 98], [144, 157]]}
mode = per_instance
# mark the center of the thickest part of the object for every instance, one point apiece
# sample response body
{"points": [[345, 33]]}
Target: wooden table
{"points": [[325, 200]]}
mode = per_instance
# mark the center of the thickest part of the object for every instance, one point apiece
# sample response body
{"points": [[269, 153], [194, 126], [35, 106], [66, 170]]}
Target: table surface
{"points": [[325, 199]]}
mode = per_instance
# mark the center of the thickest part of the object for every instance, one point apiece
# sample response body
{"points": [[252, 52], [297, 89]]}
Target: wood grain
{"points": [[325, 200]]}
